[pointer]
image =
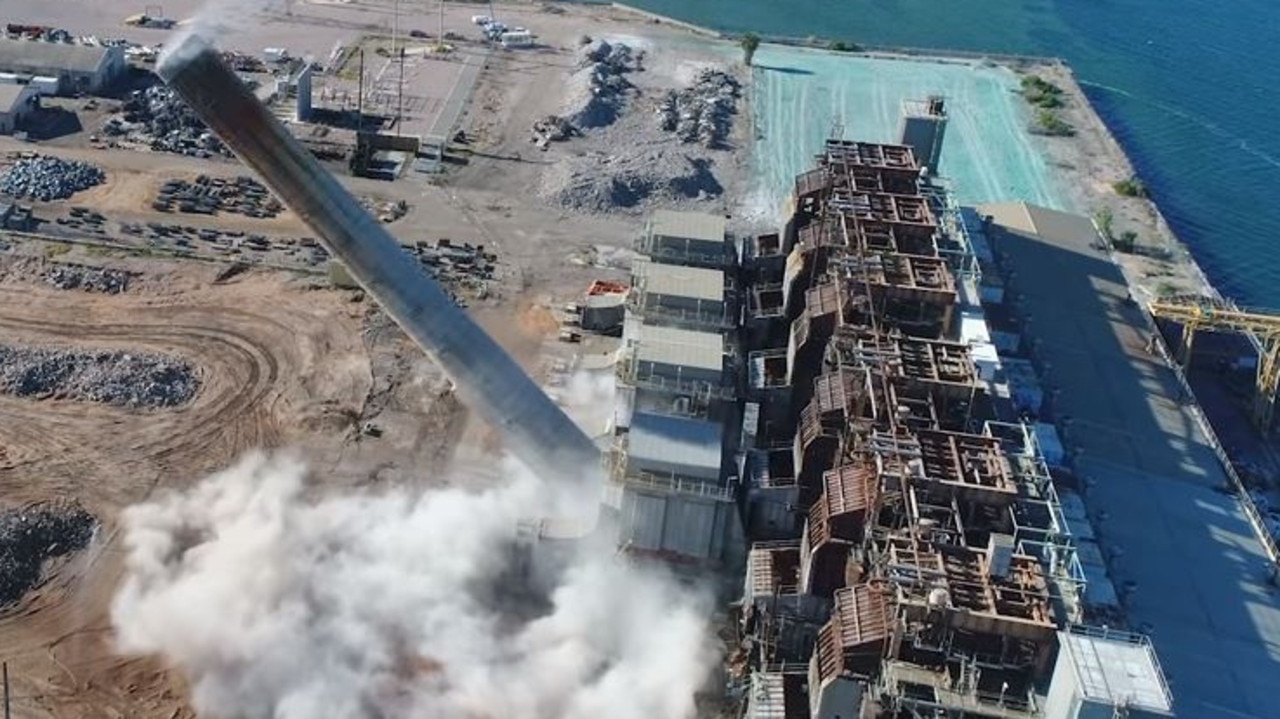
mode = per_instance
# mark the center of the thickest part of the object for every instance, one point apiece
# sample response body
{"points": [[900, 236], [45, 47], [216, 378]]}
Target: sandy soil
{"points": [[1089, 164], [282, 364]]}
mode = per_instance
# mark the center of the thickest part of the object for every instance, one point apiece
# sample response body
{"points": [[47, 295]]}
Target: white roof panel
{"points": [[1118, 669], [675, 441], [681, 348], [688, 225], [680, 281]]}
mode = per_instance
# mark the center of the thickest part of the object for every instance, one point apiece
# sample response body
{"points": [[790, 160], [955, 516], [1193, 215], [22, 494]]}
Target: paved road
{"points": [[1196, 569]]}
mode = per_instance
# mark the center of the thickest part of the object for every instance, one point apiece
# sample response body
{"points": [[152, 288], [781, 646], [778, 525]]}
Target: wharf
{"points": [[1192, 570]]}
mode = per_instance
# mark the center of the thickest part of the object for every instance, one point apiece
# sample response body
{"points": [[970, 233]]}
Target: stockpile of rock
{"points": [[161, 119], [89, 279], [136, 381], [599, 89], [31, 535], [702, 112], [48, 178], [628, 180]]}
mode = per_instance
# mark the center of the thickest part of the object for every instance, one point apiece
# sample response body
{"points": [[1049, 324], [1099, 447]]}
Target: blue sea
{"points": [[1187, 86]]}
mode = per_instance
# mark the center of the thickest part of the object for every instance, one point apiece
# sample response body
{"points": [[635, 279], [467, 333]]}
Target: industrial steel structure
{"points": [[913, 558], [1201, 314]]}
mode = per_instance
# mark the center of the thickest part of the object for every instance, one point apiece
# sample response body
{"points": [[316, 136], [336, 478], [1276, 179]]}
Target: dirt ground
{"points": [[284, 361]]}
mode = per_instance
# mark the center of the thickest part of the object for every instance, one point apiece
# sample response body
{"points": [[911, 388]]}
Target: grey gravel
{"points": [[48, 178], [137, 381], [31, 535]]}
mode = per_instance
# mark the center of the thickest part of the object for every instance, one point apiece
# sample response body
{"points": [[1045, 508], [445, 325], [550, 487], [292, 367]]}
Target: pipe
{"points": [[533, 428]]}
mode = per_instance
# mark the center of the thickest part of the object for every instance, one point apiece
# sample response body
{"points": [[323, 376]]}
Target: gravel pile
{"points": [[702, 112], [630, 180], [158, 117], [115, 378], [31, 535], [48, 178], [89, 279], [598, 90]]}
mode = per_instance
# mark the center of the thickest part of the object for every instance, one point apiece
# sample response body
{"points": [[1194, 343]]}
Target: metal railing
{"points": [[691, 318], [697, 389], [671, 483]]}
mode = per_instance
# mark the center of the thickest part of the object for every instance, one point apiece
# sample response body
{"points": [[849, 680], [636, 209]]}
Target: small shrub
{"points": [[1131, 187]]}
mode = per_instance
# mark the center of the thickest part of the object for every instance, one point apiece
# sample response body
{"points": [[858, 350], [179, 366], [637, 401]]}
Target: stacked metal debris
{"points": [[160, 118], [458, 267], [209, 195], [48, 178], [702, 112], [137, 381], [89, 279], [553, 128], [31, 535]]}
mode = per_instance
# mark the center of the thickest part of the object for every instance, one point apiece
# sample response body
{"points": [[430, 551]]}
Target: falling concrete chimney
{"points": [[533, 428]]}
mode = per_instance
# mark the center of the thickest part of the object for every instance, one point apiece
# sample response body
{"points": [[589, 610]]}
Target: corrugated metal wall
{"points": [[691, 528], [642, 519]]}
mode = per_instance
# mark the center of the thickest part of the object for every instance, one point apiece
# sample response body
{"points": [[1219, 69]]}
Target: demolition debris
{"points": [[122, 379], [702, 112], [599, 89], [31, 535], [160, 119], [88, 279], [48, 178]]}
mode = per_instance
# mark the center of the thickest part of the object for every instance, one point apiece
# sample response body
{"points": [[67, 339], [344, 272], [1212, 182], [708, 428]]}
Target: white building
{"points": [[16, 103], [78, 68]]}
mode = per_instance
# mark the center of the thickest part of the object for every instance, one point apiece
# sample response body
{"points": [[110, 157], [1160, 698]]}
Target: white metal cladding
{"points": [[686, 447], [687, 226], [679, 281], [680, 348], [692, 527], [641, 522]]}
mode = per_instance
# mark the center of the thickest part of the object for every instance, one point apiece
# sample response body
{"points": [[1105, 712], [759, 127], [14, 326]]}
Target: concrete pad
{"points": [[1190, 569]]}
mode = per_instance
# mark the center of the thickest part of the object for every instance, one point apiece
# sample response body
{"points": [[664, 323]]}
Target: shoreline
{"points": [[1095, 146]]}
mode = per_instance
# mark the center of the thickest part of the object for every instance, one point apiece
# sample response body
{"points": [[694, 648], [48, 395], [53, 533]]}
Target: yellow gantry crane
{"points": [[1197, 314]]}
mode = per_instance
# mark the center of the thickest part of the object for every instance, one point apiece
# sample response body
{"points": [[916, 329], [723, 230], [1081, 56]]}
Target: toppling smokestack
{"points": [[534, 429]]}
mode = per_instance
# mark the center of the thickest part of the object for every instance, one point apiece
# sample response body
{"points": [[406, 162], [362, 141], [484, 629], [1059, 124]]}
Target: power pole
{"points": [[440, 35], [400, 96], [5, 666]]}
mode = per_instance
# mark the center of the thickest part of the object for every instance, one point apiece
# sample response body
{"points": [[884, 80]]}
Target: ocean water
{"points": [[804, 96], [1188, 87]]}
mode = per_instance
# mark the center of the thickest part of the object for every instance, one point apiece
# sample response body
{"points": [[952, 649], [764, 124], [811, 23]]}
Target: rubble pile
{"points": [[89, 279], [387, 211], [702, 112], [553, 128], [48, 178], [31, 535], [599, 89], [159, 118], [122, 379], [209, 195], [628, 180]]}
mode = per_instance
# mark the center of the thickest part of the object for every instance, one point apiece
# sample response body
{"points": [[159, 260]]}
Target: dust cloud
{"points": [[278, 604]]}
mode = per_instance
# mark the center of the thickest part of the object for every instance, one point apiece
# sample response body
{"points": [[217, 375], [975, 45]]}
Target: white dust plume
{"points": [[276, 604]]}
